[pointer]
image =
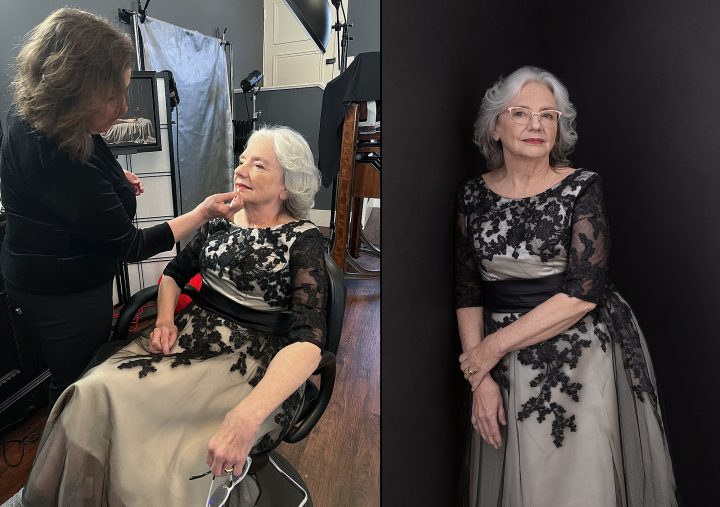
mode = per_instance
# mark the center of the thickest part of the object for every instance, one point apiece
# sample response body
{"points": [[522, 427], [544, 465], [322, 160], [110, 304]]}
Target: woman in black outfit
{"points": [[69, 204]]}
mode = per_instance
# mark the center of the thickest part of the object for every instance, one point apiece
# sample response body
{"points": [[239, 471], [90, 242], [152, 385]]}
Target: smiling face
{"points": [[259, 178], [534, 140], [112, 109]]}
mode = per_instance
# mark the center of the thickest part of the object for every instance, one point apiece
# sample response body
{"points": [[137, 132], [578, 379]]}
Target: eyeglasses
{"points": [[523, 116], [220, 487], [15, 448]]}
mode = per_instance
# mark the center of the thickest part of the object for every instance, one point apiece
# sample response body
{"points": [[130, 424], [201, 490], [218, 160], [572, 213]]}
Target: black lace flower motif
{"points": [[566, 228], [284, 267], [553, 359]]}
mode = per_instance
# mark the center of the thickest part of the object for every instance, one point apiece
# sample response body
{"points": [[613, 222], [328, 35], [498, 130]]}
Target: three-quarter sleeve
{"points": [[308, 279], [589, 251], [186, 264], [468, 288]]}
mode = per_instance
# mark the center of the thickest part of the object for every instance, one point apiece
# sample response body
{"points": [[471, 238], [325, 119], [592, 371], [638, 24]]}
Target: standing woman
{"points": [[565, 403], [69, 204]]}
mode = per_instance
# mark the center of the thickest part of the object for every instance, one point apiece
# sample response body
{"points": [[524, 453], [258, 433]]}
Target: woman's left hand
{"points": [[135, 182], [231, 443], [479, 360]]}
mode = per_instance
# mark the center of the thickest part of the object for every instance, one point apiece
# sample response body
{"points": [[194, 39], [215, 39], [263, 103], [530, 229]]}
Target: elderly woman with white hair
{"points": [[564, 400], [205, 387]]}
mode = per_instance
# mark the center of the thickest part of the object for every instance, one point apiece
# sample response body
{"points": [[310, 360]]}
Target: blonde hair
{"points": [[68, 68]]}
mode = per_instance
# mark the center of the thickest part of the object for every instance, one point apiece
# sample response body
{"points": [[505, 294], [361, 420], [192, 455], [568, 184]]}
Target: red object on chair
{"points": [[184, 299]]}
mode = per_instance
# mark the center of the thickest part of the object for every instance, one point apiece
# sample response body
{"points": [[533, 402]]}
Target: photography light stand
{"points": [[256, 112], [228, 48], [343, 35], [252, 84], [134, 18], [343, 39]]}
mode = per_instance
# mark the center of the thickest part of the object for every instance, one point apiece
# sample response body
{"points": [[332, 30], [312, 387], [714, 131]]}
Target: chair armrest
{"points": [[326, 370], [140, 298], [124, 320]]}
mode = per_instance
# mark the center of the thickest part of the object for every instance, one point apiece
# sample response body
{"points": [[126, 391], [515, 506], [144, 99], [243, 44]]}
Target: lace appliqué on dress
{"points": [[570, 220], [289, 263]]}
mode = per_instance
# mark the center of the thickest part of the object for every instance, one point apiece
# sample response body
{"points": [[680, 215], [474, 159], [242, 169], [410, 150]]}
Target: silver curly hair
{"points": [[301, 175], [499, 96]]}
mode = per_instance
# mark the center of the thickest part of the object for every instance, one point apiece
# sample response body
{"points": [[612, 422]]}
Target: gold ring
{"points": [[229, 470], [470, 371]]}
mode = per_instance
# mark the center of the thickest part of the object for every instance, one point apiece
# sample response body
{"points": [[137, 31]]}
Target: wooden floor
{"points": [[340, 460]]}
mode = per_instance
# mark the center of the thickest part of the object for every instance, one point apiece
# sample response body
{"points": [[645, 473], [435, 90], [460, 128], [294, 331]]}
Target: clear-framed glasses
{"points": [[522, 116], [14, 450], [220, 487]]}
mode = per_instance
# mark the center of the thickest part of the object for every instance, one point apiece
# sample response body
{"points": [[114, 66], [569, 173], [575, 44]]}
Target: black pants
{"points": [[69, 328]]}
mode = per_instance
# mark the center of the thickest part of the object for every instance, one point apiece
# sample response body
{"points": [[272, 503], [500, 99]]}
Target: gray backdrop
{"points": [[204, 145]]}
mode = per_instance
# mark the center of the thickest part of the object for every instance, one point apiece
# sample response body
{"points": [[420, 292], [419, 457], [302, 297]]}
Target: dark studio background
{"points": [[645, 78]]}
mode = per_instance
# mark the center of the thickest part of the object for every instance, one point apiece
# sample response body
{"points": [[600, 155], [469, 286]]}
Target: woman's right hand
{"points": [[163, 337], [221, 205], [487, 411]]}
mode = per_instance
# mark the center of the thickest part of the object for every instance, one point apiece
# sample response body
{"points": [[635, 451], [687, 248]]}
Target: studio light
{"points": [[251, 81]]}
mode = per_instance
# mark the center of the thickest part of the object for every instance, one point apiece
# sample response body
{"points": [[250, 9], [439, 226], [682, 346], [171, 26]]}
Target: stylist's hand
{"points": [[221, 205], [480, 360], [135, 182], [163, 337], [231, 443], [488, 411]]}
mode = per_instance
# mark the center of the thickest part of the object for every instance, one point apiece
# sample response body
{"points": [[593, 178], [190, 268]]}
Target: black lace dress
{"points": [[135, 428], [584, 427]]}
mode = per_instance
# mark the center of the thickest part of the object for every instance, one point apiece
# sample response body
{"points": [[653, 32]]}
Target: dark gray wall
{"points": [[243, 19], [365, 18], [643, 76]]}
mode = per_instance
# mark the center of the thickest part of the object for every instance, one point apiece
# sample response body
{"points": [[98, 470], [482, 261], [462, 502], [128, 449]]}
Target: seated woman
{"points": [[204, 388]]}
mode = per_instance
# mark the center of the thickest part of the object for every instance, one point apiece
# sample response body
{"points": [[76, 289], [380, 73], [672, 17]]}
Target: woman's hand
{"points": [[135, 182], [221, 205], [487, 411], [163, 337], [477, 362], [231, 443]]}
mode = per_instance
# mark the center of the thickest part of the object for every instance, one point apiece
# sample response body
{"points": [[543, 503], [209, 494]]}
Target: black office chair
{"points": [[270, 479]]}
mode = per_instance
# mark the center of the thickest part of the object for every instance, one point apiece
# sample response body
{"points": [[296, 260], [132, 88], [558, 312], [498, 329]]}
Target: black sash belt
{"points": [[277, 323], [520, 295]]}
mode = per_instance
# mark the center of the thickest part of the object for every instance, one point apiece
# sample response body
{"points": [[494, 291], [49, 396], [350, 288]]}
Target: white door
{"points": [[290, 57]]}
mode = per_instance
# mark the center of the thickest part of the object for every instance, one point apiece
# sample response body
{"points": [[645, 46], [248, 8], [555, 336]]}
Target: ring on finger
{"points": [[228, 470]]}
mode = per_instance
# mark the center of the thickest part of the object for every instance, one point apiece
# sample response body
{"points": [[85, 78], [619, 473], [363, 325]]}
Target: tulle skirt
{"points": [[119, 438], [584, 425]]}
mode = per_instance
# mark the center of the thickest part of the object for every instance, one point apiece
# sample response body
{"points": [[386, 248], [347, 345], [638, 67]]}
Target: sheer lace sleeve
{"points": [[468, 291], [309, 289], [186, 264], [589, 245]]}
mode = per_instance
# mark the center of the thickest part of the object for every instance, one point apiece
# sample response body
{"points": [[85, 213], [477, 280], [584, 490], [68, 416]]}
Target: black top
{"points": [[268, 269], [563, 230], [68, 222]]}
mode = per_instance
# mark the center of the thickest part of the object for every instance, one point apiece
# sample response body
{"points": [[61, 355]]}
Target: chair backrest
{"points": [[335, 304]]}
